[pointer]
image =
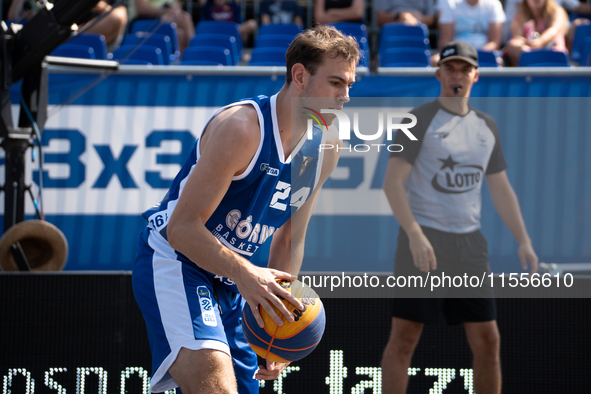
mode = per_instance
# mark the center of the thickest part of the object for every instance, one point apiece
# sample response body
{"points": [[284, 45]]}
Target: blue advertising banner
{"points": [[112, 145]]}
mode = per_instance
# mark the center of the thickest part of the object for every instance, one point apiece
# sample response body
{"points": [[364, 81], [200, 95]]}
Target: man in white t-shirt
{"points": [[476, 22]]}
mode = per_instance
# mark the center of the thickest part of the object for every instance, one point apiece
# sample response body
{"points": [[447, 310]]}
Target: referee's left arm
{"points": [[507, 205]]}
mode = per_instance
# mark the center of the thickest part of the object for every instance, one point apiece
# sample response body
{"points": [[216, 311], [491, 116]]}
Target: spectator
{"points": [[411, 12], [571, 6], [537, 24], [280, 11], [168, 11], [510, 7], [477, 22], [332, 11], [577, 7], [112, 26], [228, 11]]}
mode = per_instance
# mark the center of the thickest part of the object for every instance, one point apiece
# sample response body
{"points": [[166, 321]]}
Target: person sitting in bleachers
{"points": [[280, 11], [228, 11], [583, 11], [333, 11], [411, 12], [168, 11], [112, 26], [537, 24], [477, 22]]}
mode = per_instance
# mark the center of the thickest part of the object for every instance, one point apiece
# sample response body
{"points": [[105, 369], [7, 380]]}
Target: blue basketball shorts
{"points": [[184, 307]]}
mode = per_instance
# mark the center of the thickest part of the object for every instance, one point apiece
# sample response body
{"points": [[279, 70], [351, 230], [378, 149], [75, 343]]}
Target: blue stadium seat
{"points": [[586, 53], [267, 57], [405, 42], [573, 15], [359, 31], [15, 21], [404, 57], [280, 28], [218, 40], [274, 41], [159, 27], [543, 58], [487, 58], [207, 56], [95, 41], [401, 29], [161, 41], [226, 28], [72, 50], [581, 32], [132, 54]]}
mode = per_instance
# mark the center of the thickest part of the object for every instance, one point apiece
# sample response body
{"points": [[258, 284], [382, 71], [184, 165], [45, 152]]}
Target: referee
{"points": [[434, 188]]}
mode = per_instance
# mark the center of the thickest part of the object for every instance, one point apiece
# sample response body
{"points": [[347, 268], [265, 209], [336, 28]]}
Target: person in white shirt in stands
{"points": [[476, 22]]}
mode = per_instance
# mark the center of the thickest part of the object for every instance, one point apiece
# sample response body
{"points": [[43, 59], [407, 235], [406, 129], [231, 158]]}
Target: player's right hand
{"points": [[258, 287], [423, 255]]}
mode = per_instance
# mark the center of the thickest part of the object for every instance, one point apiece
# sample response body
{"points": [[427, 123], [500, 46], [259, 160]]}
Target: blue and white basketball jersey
{"points": [[261, 199]]}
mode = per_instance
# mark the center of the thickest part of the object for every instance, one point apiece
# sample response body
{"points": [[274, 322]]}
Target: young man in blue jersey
{"points": [[253, 173], [434, 189]]}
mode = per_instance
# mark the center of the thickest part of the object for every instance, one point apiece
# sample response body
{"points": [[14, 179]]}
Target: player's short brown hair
{"points": [[310, 47]]}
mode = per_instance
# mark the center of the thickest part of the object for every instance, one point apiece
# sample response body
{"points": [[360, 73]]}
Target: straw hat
{"points": [[43, 244]]}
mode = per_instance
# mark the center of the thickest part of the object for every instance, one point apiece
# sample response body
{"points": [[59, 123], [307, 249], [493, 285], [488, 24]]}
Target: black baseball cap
{"points": [[459, 50]]}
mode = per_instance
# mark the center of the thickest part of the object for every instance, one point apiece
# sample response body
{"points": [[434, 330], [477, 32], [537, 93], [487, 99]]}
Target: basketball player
{"points": [[253, 173], [439, 216]]}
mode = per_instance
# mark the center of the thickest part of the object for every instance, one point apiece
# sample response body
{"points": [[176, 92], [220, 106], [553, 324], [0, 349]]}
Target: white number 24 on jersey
{"points": [[282, 194]]}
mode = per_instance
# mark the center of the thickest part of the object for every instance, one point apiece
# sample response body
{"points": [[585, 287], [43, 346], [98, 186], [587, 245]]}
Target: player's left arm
{"points": [[507, 205], [287, 247]]}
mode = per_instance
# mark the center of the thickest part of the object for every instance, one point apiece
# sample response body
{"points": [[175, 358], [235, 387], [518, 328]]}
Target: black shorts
{"points": [[457, 255]]}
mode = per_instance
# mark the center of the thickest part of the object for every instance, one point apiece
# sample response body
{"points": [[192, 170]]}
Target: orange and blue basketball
{"points": [[291, 341]]}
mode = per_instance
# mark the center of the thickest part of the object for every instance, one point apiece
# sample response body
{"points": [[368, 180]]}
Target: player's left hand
{"points": [[271, 372], [526, 253]]}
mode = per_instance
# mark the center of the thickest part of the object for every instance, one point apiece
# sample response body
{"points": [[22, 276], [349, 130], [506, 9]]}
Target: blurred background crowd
{"points": [[391, 33]]}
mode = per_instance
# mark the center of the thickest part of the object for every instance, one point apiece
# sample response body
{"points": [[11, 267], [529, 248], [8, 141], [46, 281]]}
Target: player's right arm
{"points": [[397, 172], [227, 146]]}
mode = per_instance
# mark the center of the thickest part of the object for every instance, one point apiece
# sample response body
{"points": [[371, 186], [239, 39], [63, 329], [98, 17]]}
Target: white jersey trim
{"points": [[320, 159], [298, 147], [176, 316], [277, 133], [262, 129]]}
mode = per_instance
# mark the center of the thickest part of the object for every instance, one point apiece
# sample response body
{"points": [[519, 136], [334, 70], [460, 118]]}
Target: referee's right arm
{"points": [[397, 172]]}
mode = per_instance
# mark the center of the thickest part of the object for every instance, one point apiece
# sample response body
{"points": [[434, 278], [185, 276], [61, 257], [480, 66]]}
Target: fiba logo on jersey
{"points": [[392, 120]]}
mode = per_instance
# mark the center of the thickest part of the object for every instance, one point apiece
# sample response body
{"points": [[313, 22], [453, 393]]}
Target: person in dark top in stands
{"points": [[228, 11], [332, 11], [280, 11]]}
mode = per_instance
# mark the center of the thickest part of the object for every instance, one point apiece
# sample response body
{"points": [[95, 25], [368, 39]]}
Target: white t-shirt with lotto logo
{"points": [[471, 22], [450, 159]]}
